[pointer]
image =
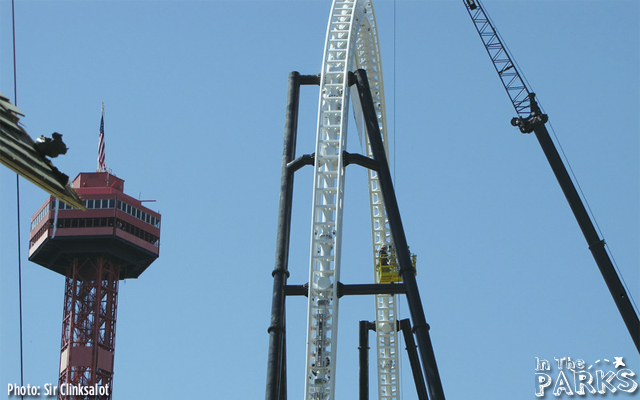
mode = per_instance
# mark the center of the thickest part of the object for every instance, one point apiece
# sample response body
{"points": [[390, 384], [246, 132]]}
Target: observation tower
{"points": [[115, 238]]}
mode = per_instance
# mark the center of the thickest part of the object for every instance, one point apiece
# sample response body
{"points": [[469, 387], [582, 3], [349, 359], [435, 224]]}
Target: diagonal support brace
{"points": [[407, 270]]}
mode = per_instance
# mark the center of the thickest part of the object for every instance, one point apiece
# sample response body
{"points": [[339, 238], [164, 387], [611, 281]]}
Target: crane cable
{"points": [[395, 182], [15, 101], [394, 91]]}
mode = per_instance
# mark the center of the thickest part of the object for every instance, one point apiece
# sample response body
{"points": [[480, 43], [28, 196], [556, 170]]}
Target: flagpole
{"points": [[101, 155]]}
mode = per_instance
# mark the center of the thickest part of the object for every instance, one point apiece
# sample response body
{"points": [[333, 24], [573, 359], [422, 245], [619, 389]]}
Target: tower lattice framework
{"points": [[89, 326]]}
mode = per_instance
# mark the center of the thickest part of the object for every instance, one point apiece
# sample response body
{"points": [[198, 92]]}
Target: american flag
{"points": [[101, 166]]}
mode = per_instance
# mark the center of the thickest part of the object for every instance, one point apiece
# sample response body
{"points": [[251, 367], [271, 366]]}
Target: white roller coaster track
{"points": [[351, 43]]}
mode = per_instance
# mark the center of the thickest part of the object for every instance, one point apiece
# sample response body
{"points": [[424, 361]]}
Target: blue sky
{"points": [[194, 95]]}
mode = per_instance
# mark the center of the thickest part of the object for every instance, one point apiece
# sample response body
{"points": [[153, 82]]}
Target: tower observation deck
{"points": [[115, 238]]}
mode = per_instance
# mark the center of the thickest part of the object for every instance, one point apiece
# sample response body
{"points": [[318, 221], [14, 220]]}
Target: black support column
{"points": [[418, 378], [276, 364], [363, 350], [407, 271]]}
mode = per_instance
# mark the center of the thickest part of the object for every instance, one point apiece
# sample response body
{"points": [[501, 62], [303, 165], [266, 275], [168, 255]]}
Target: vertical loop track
{"points": [[351, 43]]}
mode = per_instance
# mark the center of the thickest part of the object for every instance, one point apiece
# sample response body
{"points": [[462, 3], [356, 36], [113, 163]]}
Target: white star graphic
{"points": [[618, 363]]}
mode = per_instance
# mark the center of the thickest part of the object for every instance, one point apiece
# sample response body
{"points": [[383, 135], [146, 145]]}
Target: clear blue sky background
{"points": [[195, 96]]}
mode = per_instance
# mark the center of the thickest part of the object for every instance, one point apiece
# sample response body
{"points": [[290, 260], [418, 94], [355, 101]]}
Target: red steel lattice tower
{"points": [[115, 238]]}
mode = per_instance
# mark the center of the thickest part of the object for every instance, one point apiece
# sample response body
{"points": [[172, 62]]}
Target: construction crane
{"points": [[531, 119]]}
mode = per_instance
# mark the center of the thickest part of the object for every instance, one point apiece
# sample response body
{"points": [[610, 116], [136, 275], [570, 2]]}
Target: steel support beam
{"points": [[363, 349], [276, 364], [351, 289], [407, 271], [418, 377]]}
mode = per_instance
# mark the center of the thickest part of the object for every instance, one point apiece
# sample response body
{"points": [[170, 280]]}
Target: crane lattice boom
{"points": [[524, 102]]}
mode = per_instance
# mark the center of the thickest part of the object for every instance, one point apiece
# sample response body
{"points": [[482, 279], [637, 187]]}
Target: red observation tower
{"points": [[115, 238]]}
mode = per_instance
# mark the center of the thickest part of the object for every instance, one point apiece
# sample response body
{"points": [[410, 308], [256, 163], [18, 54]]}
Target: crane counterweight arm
{"points": [[531, 119]]}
